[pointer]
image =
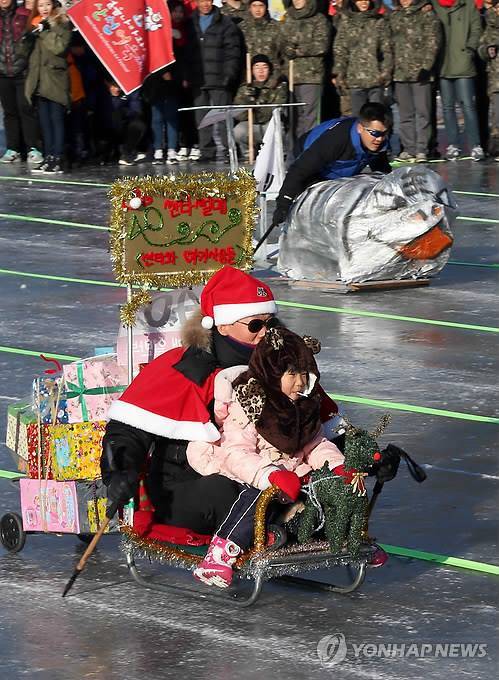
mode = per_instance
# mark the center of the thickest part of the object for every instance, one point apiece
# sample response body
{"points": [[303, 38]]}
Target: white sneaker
{"points": [[158, 157], [421, 157], [11, 156], [405, 157], [140, 157], [183, 154], [35, 157], [477, 153], [195, 154], [171, 158], [452, 152]]}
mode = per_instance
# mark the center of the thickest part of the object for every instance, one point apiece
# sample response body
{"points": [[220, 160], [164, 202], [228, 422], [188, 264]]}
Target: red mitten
{"points": [[288, 482]]}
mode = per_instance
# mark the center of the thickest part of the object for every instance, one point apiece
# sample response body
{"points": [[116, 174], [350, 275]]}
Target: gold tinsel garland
{"points": [[129, 310]]}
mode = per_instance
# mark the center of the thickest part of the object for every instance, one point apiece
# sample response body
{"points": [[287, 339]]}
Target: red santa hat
{"points": [[231, 294]]}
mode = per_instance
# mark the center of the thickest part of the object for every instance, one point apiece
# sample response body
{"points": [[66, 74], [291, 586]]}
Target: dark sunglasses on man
{"points": [[377, 134], [256, 325]]}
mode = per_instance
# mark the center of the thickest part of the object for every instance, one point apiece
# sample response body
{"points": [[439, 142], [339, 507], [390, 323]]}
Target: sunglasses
{"points": [[256, 325], [377, 134]]}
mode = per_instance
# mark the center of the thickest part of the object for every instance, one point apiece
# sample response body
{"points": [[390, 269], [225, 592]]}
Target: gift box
{"points": [[47, 505], [46, 392], [91, 386], [22, 439], [75, 450]]}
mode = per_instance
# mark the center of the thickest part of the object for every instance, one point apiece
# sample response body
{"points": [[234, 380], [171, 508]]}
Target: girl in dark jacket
{"points": [[21, 125], [47, 42]]}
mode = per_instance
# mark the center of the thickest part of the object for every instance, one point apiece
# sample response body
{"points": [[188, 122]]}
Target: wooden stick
{"points": [[291, 87], [92, 545], [251, 138]]}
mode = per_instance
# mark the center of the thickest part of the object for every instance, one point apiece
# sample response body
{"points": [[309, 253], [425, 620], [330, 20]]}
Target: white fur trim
{"points": [[227, 314], [164, 427], [312, 379], [207, 322]]}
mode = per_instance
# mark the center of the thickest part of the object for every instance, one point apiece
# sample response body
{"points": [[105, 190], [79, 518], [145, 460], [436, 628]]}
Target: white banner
{"points": [[269, 165]]}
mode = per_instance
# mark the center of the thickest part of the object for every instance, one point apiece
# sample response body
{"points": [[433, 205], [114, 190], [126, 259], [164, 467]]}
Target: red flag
{"points": [[132, 38]]}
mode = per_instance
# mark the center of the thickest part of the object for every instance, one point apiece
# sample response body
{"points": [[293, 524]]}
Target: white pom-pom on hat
{"points": [[207, 322], [135, 203]]}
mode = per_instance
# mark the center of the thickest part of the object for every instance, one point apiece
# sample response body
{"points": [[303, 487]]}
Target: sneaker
{"points": [[35, 157], [126, 161], [452, 152], [171, 158], [195, 154], [54, 167], [216, 567], [158, 157], [10, 156], [183, 154], [43, 165], [378, 559], [140, 157], [405, 157], [477, 153], [496, 159], [421, 157]]}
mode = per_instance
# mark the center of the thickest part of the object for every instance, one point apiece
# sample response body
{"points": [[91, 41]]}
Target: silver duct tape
{"points": [[370, 227]]}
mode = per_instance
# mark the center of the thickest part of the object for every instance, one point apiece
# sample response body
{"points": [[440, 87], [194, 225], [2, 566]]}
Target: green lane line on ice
{"points": [[466, 218], [381, 315], [31, 353], [45, 220], [55, 181], [106, 186], [378, 403], [441, 559], [474, 264], [282, 303], [395, 406]]}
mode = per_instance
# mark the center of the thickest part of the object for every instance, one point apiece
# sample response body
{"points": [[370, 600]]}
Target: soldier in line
{"points": [[305, 39], [261, 33], [416, 40], [263, 90], [363, 58], [488, 50]]}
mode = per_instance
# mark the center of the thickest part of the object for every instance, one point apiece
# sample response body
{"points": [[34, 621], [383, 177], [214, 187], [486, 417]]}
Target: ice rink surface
{"points": [[110, 628]]}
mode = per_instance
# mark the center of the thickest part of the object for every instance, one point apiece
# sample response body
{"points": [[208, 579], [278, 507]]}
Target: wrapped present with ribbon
{"points": [[92, 504], [47, 505], [91, 385], [49, 399], [22, 439], [75, 450]]}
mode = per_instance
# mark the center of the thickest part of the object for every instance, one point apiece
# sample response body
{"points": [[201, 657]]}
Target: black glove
{"points": [[45, 25], [31, 36], [424, 76], [283, 204], [121, 486]]}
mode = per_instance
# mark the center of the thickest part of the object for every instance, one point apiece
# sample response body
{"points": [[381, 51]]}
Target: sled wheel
{"points": [[85, 538], [12, 534]]}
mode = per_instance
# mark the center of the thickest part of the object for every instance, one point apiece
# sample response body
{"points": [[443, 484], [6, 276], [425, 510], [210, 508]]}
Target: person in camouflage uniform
{"points": [[489, 52], [261, 33], [416, 40], [235, 9], [337, 18], [305, 40], [363, 58], [263, 90]]}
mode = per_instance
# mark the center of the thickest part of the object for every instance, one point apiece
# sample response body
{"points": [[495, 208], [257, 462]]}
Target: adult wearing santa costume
{"points": [[169, 404]]}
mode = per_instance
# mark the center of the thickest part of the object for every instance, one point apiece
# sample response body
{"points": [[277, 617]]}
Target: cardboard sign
{"points": [[132, 38], [178, 231]]}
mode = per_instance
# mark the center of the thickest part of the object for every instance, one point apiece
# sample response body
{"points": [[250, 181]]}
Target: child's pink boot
{"points": [[216, 568]]}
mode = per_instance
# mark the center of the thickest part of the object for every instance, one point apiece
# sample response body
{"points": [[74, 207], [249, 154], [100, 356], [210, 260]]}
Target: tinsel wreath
{"points": [[175, 187]]}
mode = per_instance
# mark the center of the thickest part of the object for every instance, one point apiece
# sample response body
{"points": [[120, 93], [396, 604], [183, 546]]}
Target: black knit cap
{"points": [[261, 59], [265, 2]]}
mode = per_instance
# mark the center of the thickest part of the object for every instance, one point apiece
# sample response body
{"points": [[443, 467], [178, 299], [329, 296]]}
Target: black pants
{"points": [[53, 120], [207, 135], [20, 119]]}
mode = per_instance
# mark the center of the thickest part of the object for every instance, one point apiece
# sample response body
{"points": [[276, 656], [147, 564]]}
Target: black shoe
{"points": [[54, 167], [43, 165]]}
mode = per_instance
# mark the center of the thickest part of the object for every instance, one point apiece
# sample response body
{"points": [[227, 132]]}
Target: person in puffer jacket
{"points": [[488, 51], [271, 434]]}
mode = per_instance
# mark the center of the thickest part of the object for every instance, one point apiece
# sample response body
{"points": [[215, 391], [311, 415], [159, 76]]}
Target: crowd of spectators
{"points": [[62, 108]]}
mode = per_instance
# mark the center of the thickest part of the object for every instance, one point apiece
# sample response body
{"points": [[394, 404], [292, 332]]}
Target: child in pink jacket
{"points": [[271, 434]]}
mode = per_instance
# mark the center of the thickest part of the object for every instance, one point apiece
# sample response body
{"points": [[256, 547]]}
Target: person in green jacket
{"points": [[416, 40], [461, 26], [263, 90], [489, 52], [47, 42]]}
